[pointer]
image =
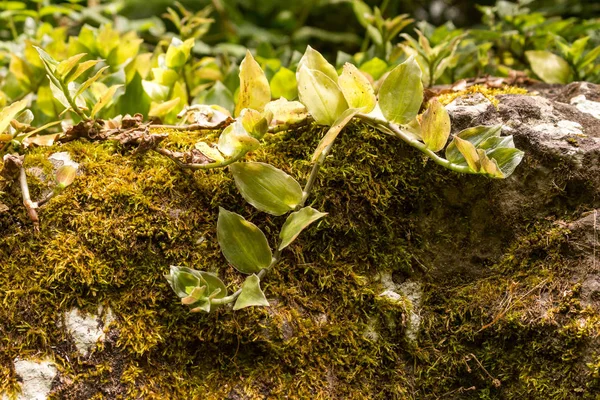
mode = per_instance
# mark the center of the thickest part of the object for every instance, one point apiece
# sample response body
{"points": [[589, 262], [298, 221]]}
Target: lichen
{"points": [[489, 93]]}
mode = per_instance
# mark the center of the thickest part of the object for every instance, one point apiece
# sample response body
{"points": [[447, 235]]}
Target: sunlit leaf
{"points": [[295, 223], [104, 100], [10, 112], [313, 60], [252, 294], [357, 89], [469, 152], [267, 188], [321, 96], [234, 141], [65, 67], [548, 66], [435, 126], [255, 91], [507, 159], [162, 109], [284, 84], [242, 243], [333, 132], [475, 135], [401, 93]]}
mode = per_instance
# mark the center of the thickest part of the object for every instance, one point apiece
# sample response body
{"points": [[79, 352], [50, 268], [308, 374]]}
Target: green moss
{"points": [[110, 237]]}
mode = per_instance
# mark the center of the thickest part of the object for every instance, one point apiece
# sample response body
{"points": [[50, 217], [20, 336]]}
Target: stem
{"points": [[72, 102], [181, 164], [30, 206], [395, 130]]}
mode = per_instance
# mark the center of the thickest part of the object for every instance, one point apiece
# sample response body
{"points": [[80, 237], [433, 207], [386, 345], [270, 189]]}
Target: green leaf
{"points": [[81, 68], [284, 84], [489, 166], [507, 158], [235, 141], [312, 59], [178, 53], [475, 135], [105, 99], [357, 89], [163, 108], [267, 188], [497, 142], [256, 123], [469, 152], [295, 223], [251, 295], [333, 132], [242, 243], [548, 66], [435, 126], [90, 81], [321, 96], [9, 113], [375, 67], [255, 91], [401, 93], [218, 95], [63, 69]]}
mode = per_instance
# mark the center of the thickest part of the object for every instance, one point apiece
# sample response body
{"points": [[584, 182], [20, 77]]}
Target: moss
{"points": [[111, 236]]}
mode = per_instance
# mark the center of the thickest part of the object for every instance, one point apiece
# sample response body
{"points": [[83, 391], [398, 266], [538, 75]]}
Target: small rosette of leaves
{"points": [[484, 151], [197, 289]]}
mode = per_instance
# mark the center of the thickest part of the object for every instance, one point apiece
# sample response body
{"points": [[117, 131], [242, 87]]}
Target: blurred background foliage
{"points": [[329, 25]]}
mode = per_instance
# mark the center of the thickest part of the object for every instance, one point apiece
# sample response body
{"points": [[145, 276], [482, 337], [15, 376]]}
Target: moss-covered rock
{"points": [[497, 265]]}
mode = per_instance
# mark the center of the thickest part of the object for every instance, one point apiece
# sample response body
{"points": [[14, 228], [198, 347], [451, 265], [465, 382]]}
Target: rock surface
{"points": [[419, 284]]}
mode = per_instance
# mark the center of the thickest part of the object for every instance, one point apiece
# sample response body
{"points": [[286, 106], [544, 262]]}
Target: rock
{"points": [[36, 378], [87, 330]]}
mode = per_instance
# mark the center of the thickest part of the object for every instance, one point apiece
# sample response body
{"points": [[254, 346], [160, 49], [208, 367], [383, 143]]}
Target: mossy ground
{"points": [[110, 237]]}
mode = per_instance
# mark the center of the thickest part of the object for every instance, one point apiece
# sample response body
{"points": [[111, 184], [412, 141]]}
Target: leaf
{"points": [[321, 96], [242, 243], [357, 89], [469, 152], [255, 91], [63, 69], [266, 188], [210, 152], [333, 132], [375, 67], [251, 295], [489, 166], [475, 135], [65, 175], [104, 100], [435, 126], [497, 142], [178, 53], [81, 68], [10, 112], [162, 109], [235, 141], [218, 95], [548, 66], [284, 84], [256, 123], [401, 93], [90, 81], [314, 60], [295, 223], [507, 158]]}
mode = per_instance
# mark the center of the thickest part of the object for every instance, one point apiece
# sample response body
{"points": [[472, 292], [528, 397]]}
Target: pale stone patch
{"points": [[36, 378], [62, 158], [559, 129], [87, 330], [586, 106]]}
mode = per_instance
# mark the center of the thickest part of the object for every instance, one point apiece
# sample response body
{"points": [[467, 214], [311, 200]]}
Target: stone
{"points": [[87, 330], [36, 378]]}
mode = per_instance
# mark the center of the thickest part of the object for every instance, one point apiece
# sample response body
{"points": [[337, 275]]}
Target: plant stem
{"points": [[72, 102], [30, 206], [181, 164], [395, 130]]}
